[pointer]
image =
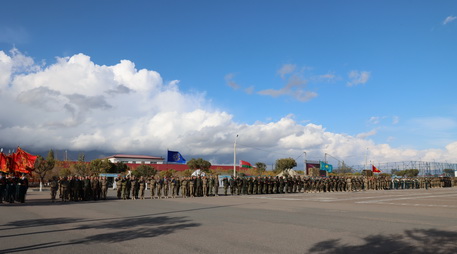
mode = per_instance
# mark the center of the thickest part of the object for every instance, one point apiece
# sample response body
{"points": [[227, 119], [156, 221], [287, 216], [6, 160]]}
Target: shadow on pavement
{"points": [[423, 241], [103, 230]]}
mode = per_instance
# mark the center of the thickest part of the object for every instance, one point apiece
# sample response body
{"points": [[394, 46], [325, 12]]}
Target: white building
{"points": [[135, 159]]}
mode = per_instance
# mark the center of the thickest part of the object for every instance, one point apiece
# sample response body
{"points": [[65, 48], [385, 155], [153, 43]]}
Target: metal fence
{"points": [[424, 167]]}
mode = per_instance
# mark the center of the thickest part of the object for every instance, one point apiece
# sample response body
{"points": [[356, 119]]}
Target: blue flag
{"points": [[176, 157], [326, 167]]}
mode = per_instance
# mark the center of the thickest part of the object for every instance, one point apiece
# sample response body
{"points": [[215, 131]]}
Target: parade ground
{"points": [[384, 221]]}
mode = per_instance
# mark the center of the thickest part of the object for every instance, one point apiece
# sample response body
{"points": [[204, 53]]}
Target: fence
{"points": [[424, 167]]}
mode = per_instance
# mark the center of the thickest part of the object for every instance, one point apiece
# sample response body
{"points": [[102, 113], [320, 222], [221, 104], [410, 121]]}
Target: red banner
{"points": [[4, 163], [375, 170], [23, 162]]}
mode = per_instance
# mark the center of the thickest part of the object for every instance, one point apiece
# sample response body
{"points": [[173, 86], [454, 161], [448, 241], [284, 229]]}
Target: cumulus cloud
{"points": [[449, 19], [76, 104], [358, 77]]}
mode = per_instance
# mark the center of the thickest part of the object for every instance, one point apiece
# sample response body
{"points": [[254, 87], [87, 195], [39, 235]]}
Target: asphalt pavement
{"points": [[387, 221]]}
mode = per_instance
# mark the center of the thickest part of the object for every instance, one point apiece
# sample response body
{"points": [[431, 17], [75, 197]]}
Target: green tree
{"points": [[260, 167], [144, 170], [167, 173], [65, 172], [81, 168], [43, 166], [119, 167], [81, 157], [406, 172], [199, 163], [187, 173], [283, 164], [98, 166]]}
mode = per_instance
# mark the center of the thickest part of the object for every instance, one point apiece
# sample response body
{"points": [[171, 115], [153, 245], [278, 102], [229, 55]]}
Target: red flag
{"points": [[23, 162], [375, 170], [4, 163], [245, 164]]}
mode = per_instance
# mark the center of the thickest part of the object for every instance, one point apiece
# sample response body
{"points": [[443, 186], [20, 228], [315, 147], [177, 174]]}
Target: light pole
{"points": [[304, 171], [234, 156]]}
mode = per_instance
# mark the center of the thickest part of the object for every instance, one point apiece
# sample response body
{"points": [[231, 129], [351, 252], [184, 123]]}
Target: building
{"points": [[159, 163], [135, 159]]}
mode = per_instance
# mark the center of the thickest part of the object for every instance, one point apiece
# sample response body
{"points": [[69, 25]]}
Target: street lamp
{"points": [[234, 156]]}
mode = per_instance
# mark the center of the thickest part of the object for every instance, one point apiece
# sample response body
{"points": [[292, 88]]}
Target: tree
{"points": [[199, 163], [187, 173], [261, 167], [167, 173], [81, 168], [144, 170], [100, 166], [43, 166], [283, 164], [406, 172], [119, 167]]}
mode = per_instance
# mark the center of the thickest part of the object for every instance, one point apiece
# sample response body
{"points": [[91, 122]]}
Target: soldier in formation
{"points": [[130, 187]]}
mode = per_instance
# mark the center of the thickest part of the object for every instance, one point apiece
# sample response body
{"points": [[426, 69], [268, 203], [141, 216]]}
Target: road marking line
{"points": [[403, 198]]}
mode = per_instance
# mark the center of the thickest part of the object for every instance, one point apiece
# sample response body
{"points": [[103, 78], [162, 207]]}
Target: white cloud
{"points": [[76, 104], [367, 134], [449, 19], [286, 69], [358, 77], [375, 119]]}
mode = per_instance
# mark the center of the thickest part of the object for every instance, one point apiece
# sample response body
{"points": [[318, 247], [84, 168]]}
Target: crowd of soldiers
{"points": [[79, 188], [203, 186], [163, 187], [13, 188]]}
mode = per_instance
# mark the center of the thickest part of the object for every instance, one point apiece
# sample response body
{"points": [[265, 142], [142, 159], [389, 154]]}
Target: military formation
{"points": [[204, 186], [79, 188], [92, 188], [13, 188], [167, 187]]}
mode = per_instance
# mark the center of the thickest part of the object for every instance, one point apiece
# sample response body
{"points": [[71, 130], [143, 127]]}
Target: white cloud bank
{"points": [[76, 104], [449, 19]]}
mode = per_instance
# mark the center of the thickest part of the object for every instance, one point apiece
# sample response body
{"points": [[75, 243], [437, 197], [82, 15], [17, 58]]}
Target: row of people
{"points": [[13, 188], [79, 188], [197, 186], [163, 187]]}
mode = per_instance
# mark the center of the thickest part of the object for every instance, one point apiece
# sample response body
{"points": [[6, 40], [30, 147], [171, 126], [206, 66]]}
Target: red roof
{"points": [[182, 167], [146, 157]]}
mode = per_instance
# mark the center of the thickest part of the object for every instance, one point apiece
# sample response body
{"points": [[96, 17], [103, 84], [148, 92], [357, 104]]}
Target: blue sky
{"points": [[378, 74]]}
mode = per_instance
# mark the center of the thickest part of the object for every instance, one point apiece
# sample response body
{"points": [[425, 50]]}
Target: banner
{"points": [[374, 169], [245, 164], [23, 162], [326, 167], [4, 163], [175, 157]]}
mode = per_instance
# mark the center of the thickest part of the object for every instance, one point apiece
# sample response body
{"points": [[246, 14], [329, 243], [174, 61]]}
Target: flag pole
{"points": [[234, 156]]}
